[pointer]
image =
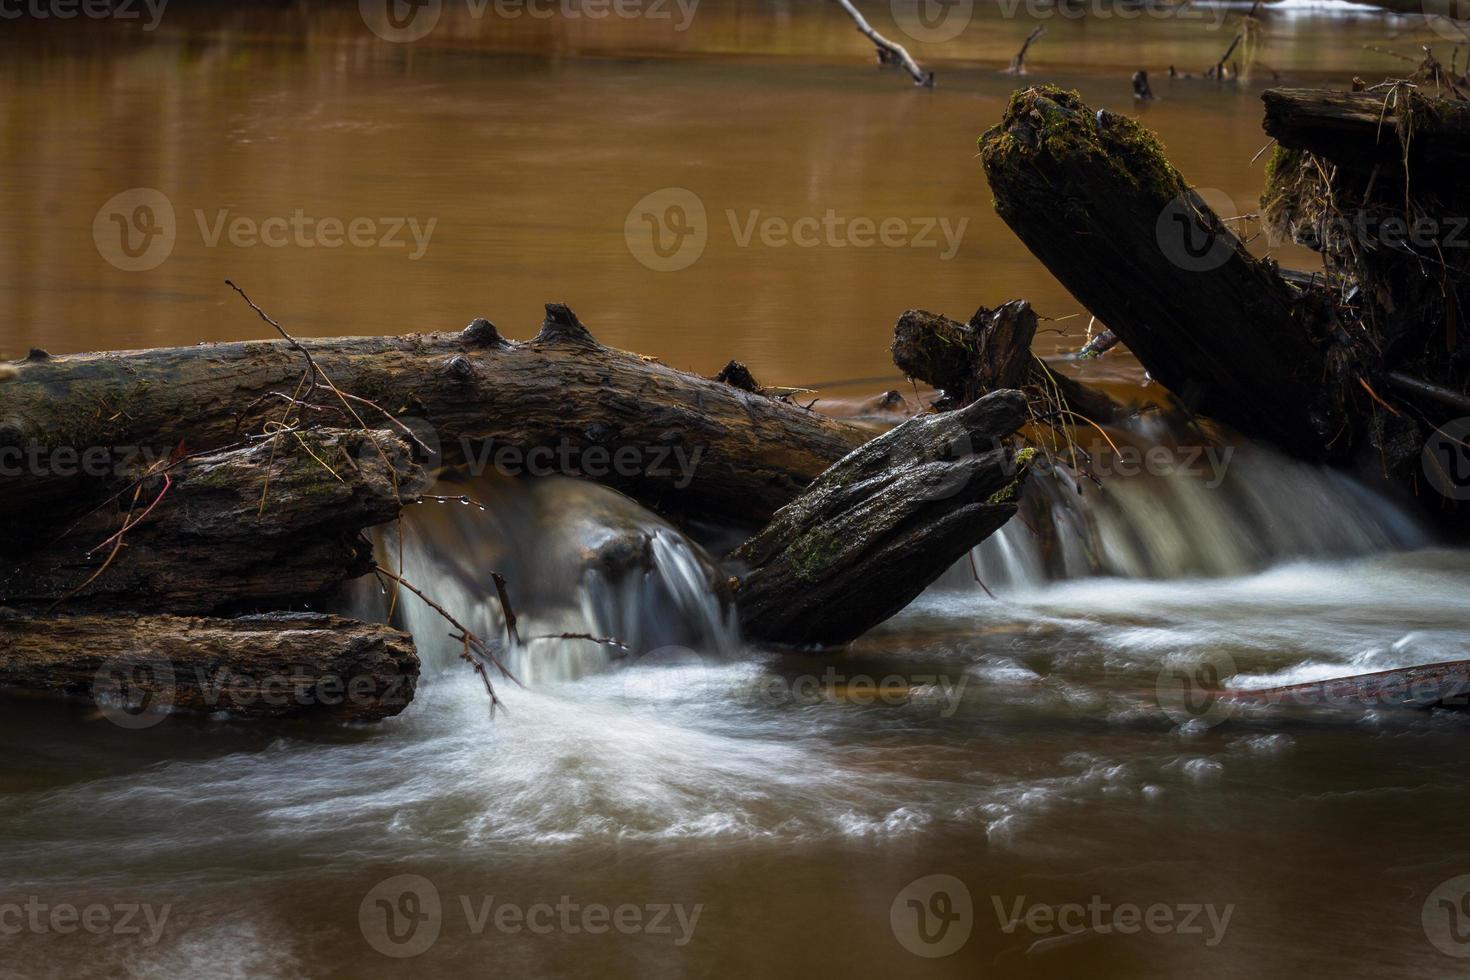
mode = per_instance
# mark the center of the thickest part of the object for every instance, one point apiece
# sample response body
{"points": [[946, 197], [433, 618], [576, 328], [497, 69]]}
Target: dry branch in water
{"points": [[888, 51]]}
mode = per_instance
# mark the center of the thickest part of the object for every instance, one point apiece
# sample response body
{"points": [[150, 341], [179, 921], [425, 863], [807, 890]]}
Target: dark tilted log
{"points": [[991, 351], [274, 523], [276, 665], [696, 445], [882, 524], [1444, 685], [1091, 194], [1366, 129]]}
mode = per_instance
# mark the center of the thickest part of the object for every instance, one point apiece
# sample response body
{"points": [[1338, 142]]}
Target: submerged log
{"points": [[562, 402], [1445, 686], [990, 352], [277, 665], [1092, 196], [882, 524], [274, 523]]}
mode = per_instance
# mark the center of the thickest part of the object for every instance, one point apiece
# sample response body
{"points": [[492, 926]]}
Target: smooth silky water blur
{"points": [[1020, 746]]}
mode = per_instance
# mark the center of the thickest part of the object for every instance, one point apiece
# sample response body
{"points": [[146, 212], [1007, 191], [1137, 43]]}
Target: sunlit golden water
{"points": [[795, 822]]}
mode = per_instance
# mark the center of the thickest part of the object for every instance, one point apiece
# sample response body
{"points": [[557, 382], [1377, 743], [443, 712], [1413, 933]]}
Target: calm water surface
{"points": [[1024, 752]]}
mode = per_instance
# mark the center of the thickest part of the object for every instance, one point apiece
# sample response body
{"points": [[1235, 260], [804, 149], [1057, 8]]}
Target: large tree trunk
{"points": [[883, 523], [1091, 194], [689, 444], [1362, 130], [137, 669], [274, 523]]}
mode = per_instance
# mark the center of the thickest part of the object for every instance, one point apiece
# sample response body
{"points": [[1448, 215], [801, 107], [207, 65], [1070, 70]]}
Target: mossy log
{"points": [[690, 444], [992, 351], [136, 670], [271, 524], [1091, 194], [882, 524]]}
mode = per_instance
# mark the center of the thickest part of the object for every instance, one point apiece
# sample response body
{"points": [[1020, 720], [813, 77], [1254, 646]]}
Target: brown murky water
{"points": [[1022, 752]]}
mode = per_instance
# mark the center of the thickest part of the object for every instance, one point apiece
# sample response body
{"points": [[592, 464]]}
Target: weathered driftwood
{"points": [[1091, 194], [882, 524], [1362, 130], [1444, 685], [275, 665], [689, 443], [991, 351], [274, 523]]}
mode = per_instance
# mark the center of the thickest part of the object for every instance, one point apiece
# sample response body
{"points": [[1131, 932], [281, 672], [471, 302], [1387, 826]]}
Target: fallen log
{"points": [[1445, 686], [562, 402], [270, 524], [1093, 197], [1363, 130], [883, 523], [990, 352], [281, 665]]}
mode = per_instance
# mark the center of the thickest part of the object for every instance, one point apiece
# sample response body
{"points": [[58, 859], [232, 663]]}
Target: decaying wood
{"points": [[273, 523], [1365, 129], [1091, 194], [1444, 685], [889, 52], [991, 351], [882, 524], [697, 445], [275, 665]]}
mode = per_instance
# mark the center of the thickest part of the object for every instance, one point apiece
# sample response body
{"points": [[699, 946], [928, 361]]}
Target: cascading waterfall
{"points": [[1221, 510], [577, 557]]}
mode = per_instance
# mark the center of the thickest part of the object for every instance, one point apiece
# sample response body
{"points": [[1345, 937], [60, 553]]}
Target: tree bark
{"points": [[1092, 196], [1361, 130], [281, 665], [883, 523], [694, 445], [272, 524], [990, 352]]}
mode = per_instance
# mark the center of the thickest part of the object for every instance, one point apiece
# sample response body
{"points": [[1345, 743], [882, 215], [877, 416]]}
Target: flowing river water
{"points": [[732, 810]]}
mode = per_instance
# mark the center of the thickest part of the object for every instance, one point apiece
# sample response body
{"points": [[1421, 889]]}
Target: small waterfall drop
{"points": [[1196, 512], [577, 557]]}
